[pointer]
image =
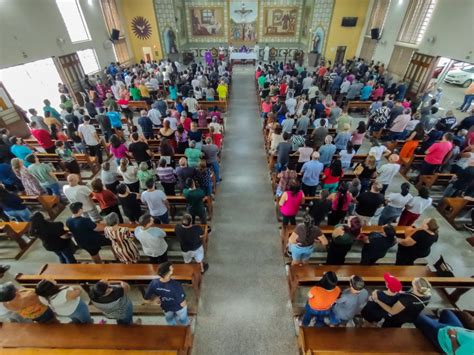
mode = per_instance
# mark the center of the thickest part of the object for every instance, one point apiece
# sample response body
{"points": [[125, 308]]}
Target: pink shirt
{"points": [[119, 152], [292, 204], [266, 107], [437, 152], [400, 123], [357, 138]]}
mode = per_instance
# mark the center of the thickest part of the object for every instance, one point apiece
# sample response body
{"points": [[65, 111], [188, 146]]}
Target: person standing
{"points": [[415, 207], [211, 152], [387, 172], [194, 199], [146, 124], [111, 298], [170, 295], [81, 193], [123, 245], [43, 137], [158, 205], [311, 171], [152, 240], [368, 202], [44, 174], [417, 242], [89, 135], [396, 202], [190, 237]]}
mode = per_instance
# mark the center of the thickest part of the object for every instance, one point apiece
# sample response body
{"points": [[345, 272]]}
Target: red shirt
{"points": [[187, 124], [43, 137], [266, 107], [329, 179], [283, 88], [322, 71], [106, 198]]}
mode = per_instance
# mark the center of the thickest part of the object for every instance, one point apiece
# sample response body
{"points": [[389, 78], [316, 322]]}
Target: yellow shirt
{"points": [[222, 91], [144, 91]]}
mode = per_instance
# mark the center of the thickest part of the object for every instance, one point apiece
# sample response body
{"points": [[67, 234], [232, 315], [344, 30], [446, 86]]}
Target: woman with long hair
{"points": [[65, 301], [332, 176], [181, 137], [342, 239], [54, 237], [358, 135], [366, 172], [417, 242], [341, 201], [31, 185], [166, 150], [290, 202], [117, 148]]}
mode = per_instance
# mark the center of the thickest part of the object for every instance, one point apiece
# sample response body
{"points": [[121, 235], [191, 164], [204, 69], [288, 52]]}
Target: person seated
{"points": [[351, 301]]}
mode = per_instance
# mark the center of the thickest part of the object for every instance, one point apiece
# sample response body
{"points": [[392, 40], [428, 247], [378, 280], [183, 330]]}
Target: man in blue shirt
{"points": [[311, 171], [146, 124], [20, 150], [115, 118], [170, 295]]}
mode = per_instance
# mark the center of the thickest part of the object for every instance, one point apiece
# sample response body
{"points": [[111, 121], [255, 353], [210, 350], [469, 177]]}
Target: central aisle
{"points": [[244, 300]]}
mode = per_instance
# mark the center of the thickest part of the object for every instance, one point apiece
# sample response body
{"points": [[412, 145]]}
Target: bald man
{"points": [[81, 193], [387, 172]]}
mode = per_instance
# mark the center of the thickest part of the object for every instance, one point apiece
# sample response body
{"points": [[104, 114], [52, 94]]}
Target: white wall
{"points": [[452, 26], [31, 28], [393, 23]]}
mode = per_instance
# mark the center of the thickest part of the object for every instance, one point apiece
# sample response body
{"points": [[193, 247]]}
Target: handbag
{"points": [[442, 268], [358, 169]]}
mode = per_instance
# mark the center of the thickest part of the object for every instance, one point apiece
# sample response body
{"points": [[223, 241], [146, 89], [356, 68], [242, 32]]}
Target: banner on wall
{"points": [[243, 21]]}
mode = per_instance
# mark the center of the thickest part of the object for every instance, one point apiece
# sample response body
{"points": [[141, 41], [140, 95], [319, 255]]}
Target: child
{"points": [[144, 174], [108, 202], [346, 156], [70, 163], [109, 177], [130, 202]]}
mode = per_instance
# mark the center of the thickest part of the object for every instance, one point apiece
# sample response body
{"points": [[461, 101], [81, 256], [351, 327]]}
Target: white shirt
{"points": [[155, 116], [152, 240], [304, 154], [88, 133], [191, 103], [291, 105], [79, 193], [217, 127], [378, 151], [411, 125], [173, 122], [307, 82], [60, 304], [417, 204], [397, 200], [129, 175], [387, 172], [155, 200], [345, 86]]}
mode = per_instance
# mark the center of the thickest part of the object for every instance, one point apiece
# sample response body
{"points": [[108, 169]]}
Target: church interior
{"points": [[324, 146]]}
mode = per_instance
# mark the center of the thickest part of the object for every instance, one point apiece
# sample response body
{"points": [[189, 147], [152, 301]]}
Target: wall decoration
{"points": [[169, 37], [306, 22], [317, 40], [141, 27], [243, 21], [280, 21], [207, 21], [180, 17]]}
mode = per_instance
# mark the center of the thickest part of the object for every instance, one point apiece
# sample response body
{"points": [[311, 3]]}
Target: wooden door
{"points": [[419, 73], [72, 74], [340, 54]]}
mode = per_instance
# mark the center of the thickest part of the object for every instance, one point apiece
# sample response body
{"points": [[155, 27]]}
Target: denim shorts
{"points": [[300, 253], [197, 255]]}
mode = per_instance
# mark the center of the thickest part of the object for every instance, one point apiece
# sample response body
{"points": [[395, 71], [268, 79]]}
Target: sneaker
{"points": [[206, 267], [469, 227]]}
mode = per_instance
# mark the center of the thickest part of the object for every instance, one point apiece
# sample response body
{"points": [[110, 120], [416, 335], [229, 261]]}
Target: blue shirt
{"points": [[115, 119], [7, 176], [146, 124], [20, 151], [365, 92], [326, 152], [311, 171], [171, 294]]}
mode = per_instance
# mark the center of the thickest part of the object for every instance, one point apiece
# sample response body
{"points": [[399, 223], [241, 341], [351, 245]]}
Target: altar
{"points": [[242, 56]]}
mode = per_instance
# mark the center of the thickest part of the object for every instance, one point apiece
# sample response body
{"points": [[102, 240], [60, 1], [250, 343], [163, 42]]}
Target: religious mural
{"points": [[243, 21], [207, 21], [280, 21]]}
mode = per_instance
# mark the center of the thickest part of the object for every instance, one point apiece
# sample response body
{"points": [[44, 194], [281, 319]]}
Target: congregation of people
{"points": [[172, 149], [341, 175]]}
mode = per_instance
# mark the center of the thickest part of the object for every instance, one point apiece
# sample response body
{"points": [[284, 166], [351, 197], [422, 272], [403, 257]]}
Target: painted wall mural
{"points": [[280, 21], [243, 21], [207, 21], [141, 27]]}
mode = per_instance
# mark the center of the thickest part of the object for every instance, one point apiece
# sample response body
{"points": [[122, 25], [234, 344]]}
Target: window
{"points": [[89, 61], [112, 20], [378, 15], [416, 21], [74, 20]]}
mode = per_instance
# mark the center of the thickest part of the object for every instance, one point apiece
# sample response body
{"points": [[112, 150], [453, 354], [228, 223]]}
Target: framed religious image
{"points": [[243, 21], [280, 21], [207, 21]]}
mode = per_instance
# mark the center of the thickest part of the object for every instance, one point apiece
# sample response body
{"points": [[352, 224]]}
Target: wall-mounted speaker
{"points": [[375, 33], [114, 36]]}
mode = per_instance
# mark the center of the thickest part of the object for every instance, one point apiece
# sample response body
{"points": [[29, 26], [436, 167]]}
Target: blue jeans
{"points": [[215, 168], [163, 219], [431, 326], [319, 315], [128, 316], [180, 317], [66, 256], [20, 215], [300, 253], [467, 102], [53, 188], [389, 215], [81, 315], [393, 136]]}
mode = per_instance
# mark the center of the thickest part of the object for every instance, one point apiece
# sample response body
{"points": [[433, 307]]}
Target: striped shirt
{"points": [[123, 245], [166, 174]]}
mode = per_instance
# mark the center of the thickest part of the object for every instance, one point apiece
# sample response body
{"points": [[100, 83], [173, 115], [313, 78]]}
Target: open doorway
{"points": [[29, 84], [147, 54]]}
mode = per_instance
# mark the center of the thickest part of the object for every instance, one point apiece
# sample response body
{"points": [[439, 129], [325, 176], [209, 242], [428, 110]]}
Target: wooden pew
{"points": [[363, 341], [395, 145], [372, 275], [206, 105], [135, 274], [176, 201], [22, 338], [451, 207], [138, 105], [412, 163], [16, 231], [50, 203], [359, 105], [434, 180], [328, 230], [82, 159]]}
